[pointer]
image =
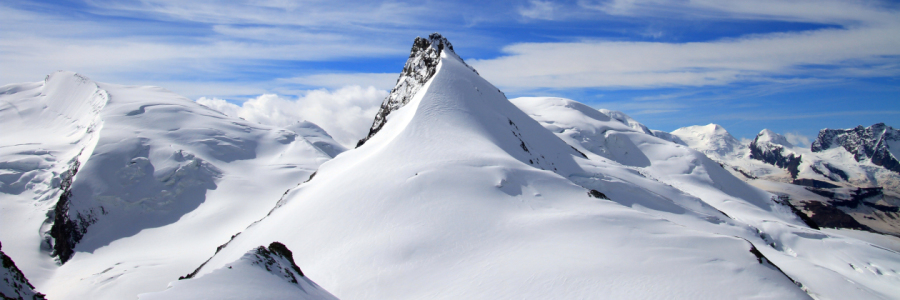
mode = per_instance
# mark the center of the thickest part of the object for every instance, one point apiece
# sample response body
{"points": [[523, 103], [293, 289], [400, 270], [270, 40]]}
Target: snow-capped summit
{"points": [[770, 137], [879, 144], [774, 149], [713, 140], [419, 68]]}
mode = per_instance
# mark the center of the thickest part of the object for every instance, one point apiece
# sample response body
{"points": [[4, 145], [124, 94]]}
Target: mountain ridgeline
{"points": [[419, 68], [844, 180], [878, 143], [455, 192]]}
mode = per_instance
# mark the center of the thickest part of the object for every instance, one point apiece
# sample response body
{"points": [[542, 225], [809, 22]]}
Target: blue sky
{"points": [[792, 66]]}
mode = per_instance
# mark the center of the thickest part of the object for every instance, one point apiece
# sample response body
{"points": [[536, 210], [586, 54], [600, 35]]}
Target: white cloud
{"points": [[541, 10], [864, 41], [345, 114], [197, 39], [720, 62], [797, 139], [300, 13], [383, 81], [847, 12]]}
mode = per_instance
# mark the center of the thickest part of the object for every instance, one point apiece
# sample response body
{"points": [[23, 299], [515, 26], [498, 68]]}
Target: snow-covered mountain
{"points": [[836, 182], [110, 190], [878, 144], [774, 149], [669, 163], [456, 192]]}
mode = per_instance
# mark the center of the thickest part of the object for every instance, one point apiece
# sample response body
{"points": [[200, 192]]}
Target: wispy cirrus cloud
{"points": [[216, 40], [865, 42], [537, 9]]}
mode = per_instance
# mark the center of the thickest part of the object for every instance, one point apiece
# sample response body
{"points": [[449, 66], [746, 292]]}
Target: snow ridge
{"points": [[419, 68]]}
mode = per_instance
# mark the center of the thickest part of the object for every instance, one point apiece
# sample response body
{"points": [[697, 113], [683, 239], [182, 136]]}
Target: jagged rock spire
{"points": [[420, 67], [872, 143]]}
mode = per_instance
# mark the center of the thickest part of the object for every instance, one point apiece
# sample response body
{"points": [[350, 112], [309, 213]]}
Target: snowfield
{"points": [[161, 182], [459, 193]]}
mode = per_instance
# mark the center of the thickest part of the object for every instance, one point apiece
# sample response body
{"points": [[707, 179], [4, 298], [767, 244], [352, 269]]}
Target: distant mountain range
{"points": [[456, 192], [846, 176]]}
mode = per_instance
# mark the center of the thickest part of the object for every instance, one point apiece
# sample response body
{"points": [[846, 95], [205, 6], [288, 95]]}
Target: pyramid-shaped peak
{"points": [[423, 60]]}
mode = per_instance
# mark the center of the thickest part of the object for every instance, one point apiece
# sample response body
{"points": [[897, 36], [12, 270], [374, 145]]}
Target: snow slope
{"points": [[774, 164], [13, 284], [771, 157], [458, 193], [262, 273], [122, 185], [462, 195], [816, 261]]}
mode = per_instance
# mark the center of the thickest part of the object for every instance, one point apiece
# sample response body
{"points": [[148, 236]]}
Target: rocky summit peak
{"points": [[774, 149], [871, 143], [419, 68], [435, 41]]}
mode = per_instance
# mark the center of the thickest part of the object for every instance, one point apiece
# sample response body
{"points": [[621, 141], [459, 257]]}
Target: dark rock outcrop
{"points": [[786, 201], [826, 215], [865, 143], [771, 148], [269, 258], [66, 230], [13, 284], [814, 183], [597, 194]]}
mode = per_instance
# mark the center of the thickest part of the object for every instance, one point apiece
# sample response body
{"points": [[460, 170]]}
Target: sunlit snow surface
{"points": [[828, 266], [461, 195], [259, 274], [163, 179]]}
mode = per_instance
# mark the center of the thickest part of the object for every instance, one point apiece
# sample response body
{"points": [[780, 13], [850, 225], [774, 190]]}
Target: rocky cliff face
{"points": [[774, 149], [873, 143], [419, 68], [13, 284]]}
